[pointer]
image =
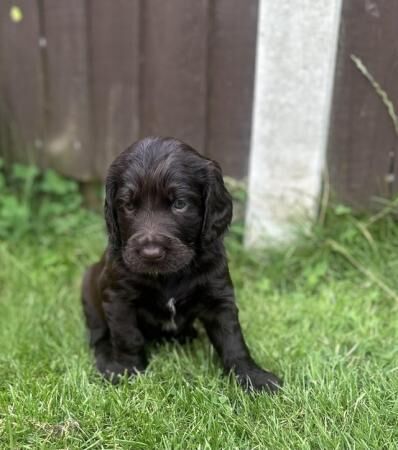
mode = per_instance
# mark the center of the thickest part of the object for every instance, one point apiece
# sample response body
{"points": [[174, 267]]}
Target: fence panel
{"points": [[114, 40], [21, 82], [232, 31], [69, 141], [81, 80], [174, 82], [362, 156]]}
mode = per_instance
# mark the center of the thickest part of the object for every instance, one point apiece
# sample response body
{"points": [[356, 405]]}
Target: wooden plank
{"points": [[232, 52], [173, 77], [362, 137], [114, 44], [68, 145], [21, 82]]}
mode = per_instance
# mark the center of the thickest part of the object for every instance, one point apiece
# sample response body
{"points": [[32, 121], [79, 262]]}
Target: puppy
{"points": [[166, 210]]}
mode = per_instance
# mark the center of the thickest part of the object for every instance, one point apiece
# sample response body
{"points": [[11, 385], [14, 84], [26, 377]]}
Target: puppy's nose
{"points": [[152, 252]]}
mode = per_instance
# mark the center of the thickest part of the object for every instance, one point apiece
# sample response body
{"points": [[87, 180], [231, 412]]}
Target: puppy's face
{"points": [[164, 203]]}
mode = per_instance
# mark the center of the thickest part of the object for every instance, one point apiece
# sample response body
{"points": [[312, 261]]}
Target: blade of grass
{"points": [[379, 90], [335, 246]]}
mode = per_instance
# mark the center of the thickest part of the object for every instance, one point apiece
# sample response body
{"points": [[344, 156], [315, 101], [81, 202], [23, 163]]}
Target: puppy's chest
{"points": [[167, 311]]}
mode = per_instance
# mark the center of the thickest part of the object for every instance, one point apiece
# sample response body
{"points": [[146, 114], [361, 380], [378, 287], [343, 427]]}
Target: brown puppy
{"points": [[166, 211]]}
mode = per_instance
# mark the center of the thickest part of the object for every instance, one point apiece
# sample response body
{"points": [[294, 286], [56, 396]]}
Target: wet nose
{"points": [[152, 252]]}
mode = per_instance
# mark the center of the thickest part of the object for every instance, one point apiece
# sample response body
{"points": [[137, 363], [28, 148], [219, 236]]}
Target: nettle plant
{"points": [[33, 201]]}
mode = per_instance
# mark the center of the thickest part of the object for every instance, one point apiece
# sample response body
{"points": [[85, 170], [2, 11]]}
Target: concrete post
{"points": [[296, 50]]}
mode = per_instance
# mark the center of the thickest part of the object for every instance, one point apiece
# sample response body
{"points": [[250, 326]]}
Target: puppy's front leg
{"points": [[224, 331], [128, 354]]}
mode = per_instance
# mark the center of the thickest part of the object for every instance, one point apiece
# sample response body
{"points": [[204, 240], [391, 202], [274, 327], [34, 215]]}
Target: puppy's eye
{"points": [[180, 205], [129, 206]]}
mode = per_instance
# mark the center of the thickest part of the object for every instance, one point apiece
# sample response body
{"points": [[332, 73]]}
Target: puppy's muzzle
{"points": [[155, 252], [150, 247], [151, 253]]}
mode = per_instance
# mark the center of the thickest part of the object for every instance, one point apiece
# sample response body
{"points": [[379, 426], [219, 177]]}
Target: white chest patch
{"points": [[170, 325]]}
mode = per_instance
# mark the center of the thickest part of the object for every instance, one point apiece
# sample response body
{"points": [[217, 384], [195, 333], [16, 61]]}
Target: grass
{"points": [[323, 314]]}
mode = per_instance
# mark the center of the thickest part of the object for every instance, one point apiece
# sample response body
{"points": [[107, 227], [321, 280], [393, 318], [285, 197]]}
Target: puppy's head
{"points": [[164, 203]]}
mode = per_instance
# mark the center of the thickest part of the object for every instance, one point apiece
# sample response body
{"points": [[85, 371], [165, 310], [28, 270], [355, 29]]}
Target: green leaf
{"points": [[342, 210]]}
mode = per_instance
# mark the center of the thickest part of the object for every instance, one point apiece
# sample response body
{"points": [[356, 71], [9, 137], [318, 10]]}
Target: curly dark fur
{"points": [[166, 211]]}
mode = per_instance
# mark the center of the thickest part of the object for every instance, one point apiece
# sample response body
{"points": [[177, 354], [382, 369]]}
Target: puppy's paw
{"points": [[254, 378], [113, 371]]}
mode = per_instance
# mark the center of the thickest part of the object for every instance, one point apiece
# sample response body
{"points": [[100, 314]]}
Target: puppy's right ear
{"points": [[111, 213], [218, 205]]}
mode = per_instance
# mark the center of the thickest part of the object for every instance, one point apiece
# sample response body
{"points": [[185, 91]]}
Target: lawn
{"points": [[322, 314]]}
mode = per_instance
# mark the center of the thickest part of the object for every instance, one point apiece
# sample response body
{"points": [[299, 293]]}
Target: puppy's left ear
{"points": [[218, 205]]}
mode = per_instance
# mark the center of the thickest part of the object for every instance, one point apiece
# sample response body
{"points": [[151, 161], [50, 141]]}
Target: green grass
{"points": [[322, 314]]}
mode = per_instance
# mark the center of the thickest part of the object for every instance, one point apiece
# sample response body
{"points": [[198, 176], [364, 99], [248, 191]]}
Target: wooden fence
{"points": [[82, 79], [362, 156]]}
